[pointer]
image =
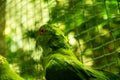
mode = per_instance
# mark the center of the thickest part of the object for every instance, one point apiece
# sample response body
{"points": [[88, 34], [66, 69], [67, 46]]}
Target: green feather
{"points": [[59, 61]]}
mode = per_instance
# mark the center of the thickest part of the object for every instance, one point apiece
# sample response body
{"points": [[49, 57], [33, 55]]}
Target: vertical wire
{"points": [[115, 39], [102, 43], [79, 44], [34, 20], [117, 58], [49, 12], [41, 11], [26, 22], [91, 44], [2, 24], [88, 33], [118, 3], [41, 23], [108, 21]]}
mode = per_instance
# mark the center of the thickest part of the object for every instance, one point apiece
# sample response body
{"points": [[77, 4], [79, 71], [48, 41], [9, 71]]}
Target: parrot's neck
{"points": [[55, 47], [48, 51], [48, 54]]}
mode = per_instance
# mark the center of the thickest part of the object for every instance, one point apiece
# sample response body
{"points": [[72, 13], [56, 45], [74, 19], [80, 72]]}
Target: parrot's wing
{"points": [[61, 67]]}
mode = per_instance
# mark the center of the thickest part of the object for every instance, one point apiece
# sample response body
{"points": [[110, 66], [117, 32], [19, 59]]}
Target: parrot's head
{"points": [[49, 36]]}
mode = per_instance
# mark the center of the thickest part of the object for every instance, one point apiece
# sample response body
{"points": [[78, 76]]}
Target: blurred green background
{"points": [[92, 27]]}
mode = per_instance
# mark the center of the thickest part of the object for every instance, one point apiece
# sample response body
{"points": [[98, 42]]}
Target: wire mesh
{"points": [[94, 24]]}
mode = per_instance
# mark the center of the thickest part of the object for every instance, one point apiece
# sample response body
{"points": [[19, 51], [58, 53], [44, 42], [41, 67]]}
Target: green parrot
{"points": [[5, 72], [59, 61]]}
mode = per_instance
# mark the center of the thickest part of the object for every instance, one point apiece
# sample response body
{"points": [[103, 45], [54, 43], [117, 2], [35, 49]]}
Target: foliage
{"points": [[59, 62], [93, 22], [5, 71], [93, 25]]}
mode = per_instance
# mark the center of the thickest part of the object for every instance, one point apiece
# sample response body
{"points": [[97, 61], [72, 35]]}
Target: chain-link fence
{"points": [[92, 27]]}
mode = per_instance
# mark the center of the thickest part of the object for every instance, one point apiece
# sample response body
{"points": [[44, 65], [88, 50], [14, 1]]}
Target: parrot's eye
{"points": [[41, 31]]}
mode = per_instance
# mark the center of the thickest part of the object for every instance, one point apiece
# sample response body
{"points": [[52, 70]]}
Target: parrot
{"points": [[6, 73], [58, 60]]}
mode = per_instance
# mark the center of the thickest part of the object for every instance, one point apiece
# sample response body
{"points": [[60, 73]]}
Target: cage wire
{"points": [[92, 27]]}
